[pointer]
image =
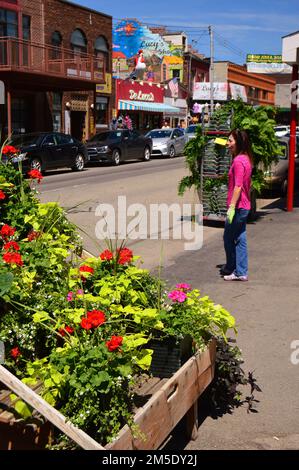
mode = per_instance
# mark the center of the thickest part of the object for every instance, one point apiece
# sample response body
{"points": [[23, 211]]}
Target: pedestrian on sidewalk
{"points": [[238, 203]]}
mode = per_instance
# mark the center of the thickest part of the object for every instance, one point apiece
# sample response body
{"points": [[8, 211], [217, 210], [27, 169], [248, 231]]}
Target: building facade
{"points": [[55, 62]]}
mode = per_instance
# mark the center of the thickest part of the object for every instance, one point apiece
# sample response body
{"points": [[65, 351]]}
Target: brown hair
{"points": [[243, 145]]}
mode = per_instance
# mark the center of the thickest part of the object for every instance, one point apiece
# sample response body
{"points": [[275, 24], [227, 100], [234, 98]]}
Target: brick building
{"points": [[55, 62]]}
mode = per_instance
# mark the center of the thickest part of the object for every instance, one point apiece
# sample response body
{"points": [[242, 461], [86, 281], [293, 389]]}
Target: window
{"points": [[8, 23], [56, 41], [164, 72], [63, 139], [78, 42], [101, 51], [26, 21], [176, 73], [49, 140], [101, 111], [265, 95]]}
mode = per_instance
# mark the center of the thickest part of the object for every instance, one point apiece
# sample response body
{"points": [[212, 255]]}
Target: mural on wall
{"points": [[129, 37]]}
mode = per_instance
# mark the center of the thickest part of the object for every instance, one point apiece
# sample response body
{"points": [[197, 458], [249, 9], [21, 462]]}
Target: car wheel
{"points": [[79, 163], [116, 157], [36, 164], [146, 154], [172, 152]]}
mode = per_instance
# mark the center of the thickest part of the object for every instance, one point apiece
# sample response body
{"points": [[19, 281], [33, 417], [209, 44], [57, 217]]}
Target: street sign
{"points": [[2, 93]]}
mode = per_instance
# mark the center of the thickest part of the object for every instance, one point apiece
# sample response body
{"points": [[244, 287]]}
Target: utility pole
{"points": [[211, 72]]}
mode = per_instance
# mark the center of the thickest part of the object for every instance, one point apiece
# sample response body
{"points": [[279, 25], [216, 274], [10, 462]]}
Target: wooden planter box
{"points": [[172, 399]]}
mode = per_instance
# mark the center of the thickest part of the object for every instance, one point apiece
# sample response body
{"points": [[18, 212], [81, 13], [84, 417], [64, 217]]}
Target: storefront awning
{"points": [[145, 106]]}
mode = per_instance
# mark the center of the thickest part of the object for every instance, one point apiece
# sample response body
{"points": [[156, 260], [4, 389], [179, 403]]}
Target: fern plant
{"points": [[258, 122]]}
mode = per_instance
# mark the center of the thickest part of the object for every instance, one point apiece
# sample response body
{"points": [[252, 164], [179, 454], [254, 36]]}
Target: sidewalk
{"points": [[267, 314]]}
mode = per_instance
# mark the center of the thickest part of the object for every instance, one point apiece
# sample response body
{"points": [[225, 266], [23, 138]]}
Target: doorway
{"points": [[78, 124]]}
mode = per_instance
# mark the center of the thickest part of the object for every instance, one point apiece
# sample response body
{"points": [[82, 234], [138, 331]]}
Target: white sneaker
{"points": [[234, 277]]}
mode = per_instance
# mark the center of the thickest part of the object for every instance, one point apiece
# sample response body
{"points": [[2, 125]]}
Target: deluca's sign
{"points": [[141, 96]]}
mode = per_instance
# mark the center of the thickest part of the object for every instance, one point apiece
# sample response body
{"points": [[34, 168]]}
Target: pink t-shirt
{"points": [[240, 175]]}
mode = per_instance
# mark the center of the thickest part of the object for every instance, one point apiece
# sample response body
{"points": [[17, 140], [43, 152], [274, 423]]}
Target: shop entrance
{"points": [[78, 124]]}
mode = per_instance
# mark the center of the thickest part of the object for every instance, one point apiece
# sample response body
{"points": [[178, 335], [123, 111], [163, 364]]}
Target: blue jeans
{"points": [[235, 243]]}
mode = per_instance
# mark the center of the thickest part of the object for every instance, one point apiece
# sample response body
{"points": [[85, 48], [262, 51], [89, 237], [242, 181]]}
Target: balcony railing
{"points": [[19, 55]]}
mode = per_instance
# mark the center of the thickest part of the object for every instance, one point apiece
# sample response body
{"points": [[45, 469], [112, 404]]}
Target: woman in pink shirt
{"points": [[238, 203]]}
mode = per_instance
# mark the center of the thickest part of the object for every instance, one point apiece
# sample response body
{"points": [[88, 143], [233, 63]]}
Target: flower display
{"points": [[83, 327]]}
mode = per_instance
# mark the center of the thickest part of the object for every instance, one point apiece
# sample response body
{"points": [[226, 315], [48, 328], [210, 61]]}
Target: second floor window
{"points": [[8, 23], [101, 51], [56, 41], [26, 27], [78, 42]]}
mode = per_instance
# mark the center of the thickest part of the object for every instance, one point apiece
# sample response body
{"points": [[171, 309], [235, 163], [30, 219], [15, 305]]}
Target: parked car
{"points": [[167, 142], [276, 176], [119, 145], [281, 131], [190, 132], [48, 150]]}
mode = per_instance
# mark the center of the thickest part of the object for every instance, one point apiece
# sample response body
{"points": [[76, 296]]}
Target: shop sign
{"points": [[139, 91], [105, 87], [266, 63], [202, 91], [139, 96], [238, 91]]}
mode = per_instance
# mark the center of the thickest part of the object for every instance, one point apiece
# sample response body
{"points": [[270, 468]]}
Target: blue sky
{"points": [[241, 27]]}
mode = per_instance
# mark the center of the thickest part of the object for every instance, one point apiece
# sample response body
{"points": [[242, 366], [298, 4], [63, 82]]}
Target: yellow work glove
{"points": [[230, 213]]}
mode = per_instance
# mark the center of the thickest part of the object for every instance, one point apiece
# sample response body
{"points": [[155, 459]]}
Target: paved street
{"points": [[141, 182]]}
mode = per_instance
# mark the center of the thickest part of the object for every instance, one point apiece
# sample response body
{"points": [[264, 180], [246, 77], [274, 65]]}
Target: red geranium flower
{"points": [[2, 194], [125, 256], [13, 258], [96, 317], [7, 231], [15, 352], [32, 235], [7, 149], [35, 175], [86, 323], [85, 269], [11, 245], [66, 329], [114, 343], [106, 255]]}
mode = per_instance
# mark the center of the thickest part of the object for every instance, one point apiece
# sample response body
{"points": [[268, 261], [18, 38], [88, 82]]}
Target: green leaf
{"points": [[144, 358], [6, 281], [21, 407]]}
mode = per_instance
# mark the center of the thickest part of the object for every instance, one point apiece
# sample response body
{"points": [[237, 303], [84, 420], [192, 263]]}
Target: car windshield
{"points": [[191, 130], [106, 136], [159, 134], [23, 140]]}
